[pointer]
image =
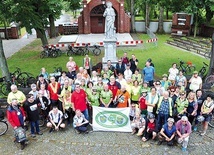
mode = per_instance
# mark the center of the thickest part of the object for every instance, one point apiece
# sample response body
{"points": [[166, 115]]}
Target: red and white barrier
{"points": [[134, 42], [152, 40]]}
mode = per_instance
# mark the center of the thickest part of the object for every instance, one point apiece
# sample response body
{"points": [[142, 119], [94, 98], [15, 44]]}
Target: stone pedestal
{"points": [[110, 51]]}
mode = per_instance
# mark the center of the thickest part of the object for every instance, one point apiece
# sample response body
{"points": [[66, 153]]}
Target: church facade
{"points": [[91, 19]]}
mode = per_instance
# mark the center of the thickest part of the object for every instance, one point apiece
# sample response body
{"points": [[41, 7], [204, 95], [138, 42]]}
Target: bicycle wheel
{"points": [[210, 80], [31, 80], [189, 70], [97, 51], [59, 52], [80, 51], [41, 121], [69, 53], [5, 89], [53, 54], [211, 123], [86, 51], [42, 54], [22, 79], [3, 127]]}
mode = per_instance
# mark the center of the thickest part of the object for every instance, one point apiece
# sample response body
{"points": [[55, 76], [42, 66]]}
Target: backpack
{"points": [[20, 134]]}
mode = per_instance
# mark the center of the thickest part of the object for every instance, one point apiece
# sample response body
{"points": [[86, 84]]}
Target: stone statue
{"points": [[109, 14]]}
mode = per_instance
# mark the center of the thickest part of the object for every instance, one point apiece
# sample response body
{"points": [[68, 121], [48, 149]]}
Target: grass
{"points": [[163, 56]]}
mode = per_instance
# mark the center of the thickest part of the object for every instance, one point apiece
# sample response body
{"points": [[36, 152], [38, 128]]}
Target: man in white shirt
{"points": [[127, 72], [195, 82], [80, 123], [55, 118]]}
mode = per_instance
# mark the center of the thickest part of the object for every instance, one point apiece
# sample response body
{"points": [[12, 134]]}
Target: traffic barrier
{"points": [[134, 42], [152, 40]]}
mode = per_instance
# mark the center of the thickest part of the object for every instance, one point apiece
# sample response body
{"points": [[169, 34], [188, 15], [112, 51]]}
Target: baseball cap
{"points": [[195, 72], [151, 116], [144, 91], [164, 75]]}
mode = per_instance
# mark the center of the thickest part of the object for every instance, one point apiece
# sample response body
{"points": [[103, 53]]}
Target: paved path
{"points": [[12, 46], [102, 143]]}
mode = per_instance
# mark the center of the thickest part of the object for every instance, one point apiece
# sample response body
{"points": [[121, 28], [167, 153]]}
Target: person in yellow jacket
{"points": [[164, 109]]}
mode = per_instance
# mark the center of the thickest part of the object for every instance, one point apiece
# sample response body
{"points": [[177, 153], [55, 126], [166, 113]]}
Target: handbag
{"points": [[117, 100], [65, 115], [20, 134]]}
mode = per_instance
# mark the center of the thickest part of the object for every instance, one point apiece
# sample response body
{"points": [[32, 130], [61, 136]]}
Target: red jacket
{"points": [[13, 118]]}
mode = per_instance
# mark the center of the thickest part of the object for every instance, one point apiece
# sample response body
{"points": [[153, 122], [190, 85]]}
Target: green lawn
{"points": [[163, 56]]}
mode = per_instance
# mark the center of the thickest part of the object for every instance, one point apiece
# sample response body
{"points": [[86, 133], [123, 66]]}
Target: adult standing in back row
{"points": [[149, 73], [133, 63]]}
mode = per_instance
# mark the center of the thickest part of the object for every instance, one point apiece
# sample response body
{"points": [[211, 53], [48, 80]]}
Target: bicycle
{"points": [[210, 79], [203, 70], [3, 123], [48, 52], [25, 79], [57, 73], [96, 51], [58, 51], [187, 68], [74, 51], [211, 123]]}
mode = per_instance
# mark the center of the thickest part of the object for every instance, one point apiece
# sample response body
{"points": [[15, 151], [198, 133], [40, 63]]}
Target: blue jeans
{"points": [[162, 119], [85, 113], [33, 125], [82, 128]]}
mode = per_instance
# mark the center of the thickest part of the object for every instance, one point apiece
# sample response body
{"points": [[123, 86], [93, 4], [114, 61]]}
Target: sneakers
{"points": [[77, 131], [160, 142], [184, 149], [33, 135], [133, 132], [203, 133], [39, 133], [22, 146], [195, 128], [86, 132], [51, 130]]}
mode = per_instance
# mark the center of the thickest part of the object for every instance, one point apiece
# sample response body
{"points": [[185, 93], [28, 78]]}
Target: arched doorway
{"points": [[97, 20]]}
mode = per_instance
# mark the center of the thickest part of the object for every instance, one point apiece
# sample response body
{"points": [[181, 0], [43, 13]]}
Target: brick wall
{"points": [[122, 20]]}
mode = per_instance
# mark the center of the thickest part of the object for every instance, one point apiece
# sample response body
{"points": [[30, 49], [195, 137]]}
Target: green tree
{"points": [[74, 5]]}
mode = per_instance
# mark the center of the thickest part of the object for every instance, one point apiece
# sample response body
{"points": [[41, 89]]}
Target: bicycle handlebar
{"points": [[205, 64]]}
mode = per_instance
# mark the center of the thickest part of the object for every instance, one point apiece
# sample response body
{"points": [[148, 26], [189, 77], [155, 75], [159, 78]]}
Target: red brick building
{"points": [[92, 20]]}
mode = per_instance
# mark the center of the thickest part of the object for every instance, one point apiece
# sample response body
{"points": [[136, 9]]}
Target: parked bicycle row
{"points": [[53, 51], [19, 78]]}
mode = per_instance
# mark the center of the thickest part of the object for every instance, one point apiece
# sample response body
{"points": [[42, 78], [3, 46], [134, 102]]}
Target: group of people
{"points": [[167, 108]]}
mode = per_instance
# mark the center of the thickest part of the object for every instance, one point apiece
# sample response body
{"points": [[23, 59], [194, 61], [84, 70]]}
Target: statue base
{"points": [[110, 51]]}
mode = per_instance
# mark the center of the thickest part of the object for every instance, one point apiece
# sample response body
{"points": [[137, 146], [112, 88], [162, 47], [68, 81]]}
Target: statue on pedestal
{"points": [[109, 14]]}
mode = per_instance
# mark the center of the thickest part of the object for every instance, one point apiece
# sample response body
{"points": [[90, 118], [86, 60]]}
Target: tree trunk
{"points": [[160, 21], [196, 25], [52, 26], [6, 31], [147, 14], [3, 62], [211, 68], [41, 34], [132, 17], [167, 14]]}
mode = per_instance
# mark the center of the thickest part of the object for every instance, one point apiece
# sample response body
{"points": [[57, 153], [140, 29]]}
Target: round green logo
{"points": [[111, 119]]}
